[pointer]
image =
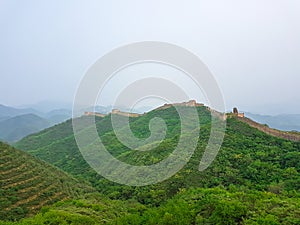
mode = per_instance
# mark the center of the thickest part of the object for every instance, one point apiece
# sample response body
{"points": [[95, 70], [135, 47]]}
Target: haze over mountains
{"points": [[16, 123], [287, 122]]}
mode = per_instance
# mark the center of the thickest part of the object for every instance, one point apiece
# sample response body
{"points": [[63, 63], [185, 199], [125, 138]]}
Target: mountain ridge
{"points": [[289, 135]]}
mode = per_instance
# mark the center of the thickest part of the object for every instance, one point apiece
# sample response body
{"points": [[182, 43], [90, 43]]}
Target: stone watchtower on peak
{"points": [[236, 113]]}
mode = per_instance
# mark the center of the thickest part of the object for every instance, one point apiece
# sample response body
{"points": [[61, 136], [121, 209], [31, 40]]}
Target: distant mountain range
{"points": [[286, 122], [16, 123], [7, 111], [15, 128]]}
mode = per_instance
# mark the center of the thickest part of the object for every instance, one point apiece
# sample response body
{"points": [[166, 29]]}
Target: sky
{"points": [[252, 47]]}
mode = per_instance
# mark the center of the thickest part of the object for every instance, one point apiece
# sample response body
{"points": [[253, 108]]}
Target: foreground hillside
{"points": [[27, 184], [193, 206]]}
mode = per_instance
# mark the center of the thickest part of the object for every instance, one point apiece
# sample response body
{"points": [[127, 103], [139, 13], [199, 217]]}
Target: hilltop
{"points": [[27, 184]]}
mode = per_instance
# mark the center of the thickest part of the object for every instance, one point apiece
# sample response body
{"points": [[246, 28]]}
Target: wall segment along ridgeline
{"points": [[240, 116], [277, 133]]}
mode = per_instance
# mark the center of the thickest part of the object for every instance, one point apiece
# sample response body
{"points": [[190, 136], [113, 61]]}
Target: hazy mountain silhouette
{"points": [[287, 122]]}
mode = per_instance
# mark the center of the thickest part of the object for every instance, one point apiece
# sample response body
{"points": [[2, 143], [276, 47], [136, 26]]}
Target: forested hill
{"points": [[27, 184], [248, 157]]}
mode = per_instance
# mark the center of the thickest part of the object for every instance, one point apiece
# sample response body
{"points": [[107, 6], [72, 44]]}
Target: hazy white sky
{"points": [[251, 46]]}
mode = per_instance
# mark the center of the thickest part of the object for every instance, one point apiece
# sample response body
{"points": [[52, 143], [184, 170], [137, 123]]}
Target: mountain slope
{"points": [[15, 128], [248, 157], [27, 184]]}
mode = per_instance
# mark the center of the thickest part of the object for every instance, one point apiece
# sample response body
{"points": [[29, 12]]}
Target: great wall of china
{"points": [[191, 103], [292, 136], [277, 133], [273, 132], [115, 112]]}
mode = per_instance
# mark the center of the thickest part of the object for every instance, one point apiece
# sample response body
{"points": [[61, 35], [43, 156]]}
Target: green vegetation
{"points": [[90, 209], [218, 206], [27, 184], [193, 206], [253, 180], [248, 158]]}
